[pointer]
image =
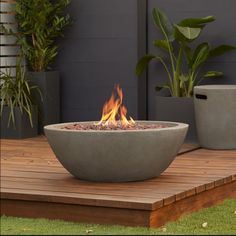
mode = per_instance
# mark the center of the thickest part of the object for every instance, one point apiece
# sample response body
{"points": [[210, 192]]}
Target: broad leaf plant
{"points": [[176, 42]]}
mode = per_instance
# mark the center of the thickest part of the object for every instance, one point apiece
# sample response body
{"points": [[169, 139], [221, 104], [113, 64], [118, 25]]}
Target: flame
{"points": [[113, 108]]}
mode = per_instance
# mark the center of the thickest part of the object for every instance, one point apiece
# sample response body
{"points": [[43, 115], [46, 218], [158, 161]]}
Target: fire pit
{"points": [[116, 151]]}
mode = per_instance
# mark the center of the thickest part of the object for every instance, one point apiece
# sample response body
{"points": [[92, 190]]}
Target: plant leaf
{"points": [[200, 55], [189, 33], [142, 64], [160, 87], [16, 92], [189, 55], [211, 74], [220, 50], [40, 23], [163, 44], [196, 22], [163, 23]]}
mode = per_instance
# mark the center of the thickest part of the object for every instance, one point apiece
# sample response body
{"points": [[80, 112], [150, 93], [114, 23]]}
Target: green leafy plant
{"points": [[40, 23], [16, 92], [176, 43]]}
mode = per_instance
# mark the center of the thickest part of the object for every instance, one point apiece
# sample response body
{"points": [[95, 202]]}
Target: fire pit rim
{"points": [[173, 125]]}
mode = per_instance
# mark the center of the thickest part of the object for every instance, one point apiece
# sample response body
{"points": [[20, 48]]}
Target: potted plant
{"points": [[40, 23], [19, 115], [185, 62]]}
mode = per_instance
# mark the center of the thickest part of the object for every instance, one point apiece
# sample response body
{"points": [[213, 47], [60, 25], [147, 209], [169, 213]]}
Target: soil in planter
{"points": [[112, 126]]}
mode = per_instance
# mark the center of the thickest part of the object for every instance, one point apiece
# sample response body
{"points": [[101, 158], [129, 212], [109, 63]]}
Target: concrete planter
{"points": [[49, 106], [116, 156], [215, 111], [22, 127], [177, 109]]}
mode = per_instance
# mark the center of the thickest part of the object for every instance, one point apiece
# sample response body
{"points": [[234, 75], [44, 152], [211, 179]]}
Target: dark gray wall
{"points": [[222, 31], [98, 51]]}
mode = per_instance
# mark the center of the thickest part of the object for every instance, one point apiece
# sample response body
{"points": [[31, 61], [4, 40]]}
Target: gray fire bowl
{"points": [[117, 155]]}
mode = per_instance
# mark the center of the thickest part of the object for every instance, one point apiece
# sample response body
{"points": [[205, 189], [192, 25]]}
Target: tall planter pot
{"points": [[22, 128], [49, 105], [177, 109]]}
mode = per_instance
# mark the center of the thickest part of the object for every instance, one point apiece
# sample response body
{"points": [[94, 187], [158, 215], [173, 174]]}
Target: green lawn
{"points": [[220, 220]]}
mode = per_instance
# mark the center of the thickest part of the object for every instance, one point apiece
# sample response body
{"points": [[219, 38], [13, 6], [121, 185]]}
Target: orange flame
{"points": [[113, 108]]}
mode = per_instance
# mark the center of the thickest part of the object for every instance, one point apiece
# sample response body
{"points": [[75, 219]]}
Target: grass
{"points": [[220, 220]]}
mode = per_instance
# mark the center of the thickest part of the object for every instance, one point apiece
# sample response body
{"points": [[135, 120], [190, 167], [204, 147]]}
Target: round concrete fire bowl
{"points": [[116, 155]]}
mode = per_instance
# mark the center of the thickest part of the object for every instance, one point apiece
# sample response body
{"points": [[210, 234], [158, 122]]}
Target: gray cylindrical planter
{"points": [[22, 127], [215, 110], [177, 109], [49, 106], [116, 155]]}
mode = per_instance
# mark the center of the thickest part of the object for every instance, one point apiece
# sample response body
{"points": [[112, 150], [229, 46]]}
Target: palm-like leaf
{"points": [[142, 64], [163, 44], [220, 50], [160, 87], [211, 74], [200, 55], [196, 22], [163, 23]]}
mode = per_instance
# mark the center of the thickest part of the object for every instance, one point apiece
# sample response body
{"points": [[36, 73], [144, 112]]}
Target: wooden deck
{"points": [[34, 184]]}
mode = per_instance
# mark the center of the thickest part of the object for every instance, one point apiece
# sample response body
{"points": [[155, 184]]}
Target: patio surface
{"points": [[34, 184]]}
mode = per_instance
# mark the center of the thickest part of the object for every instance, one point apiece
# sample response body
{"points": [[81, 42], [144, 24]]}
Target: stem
{"points": [[190, 85], [169, 47], [33, 40], [178, 70], [168, 73], [34, 67], [185, 89], [170, 53]]}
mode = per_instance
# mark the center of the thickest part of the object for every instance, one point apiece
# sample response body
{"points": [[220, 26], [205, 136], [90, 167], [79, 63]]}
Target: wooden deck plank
{"points": [[161, 189], [205, 199], [107, 193], [32, 178], [79, 199]]}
